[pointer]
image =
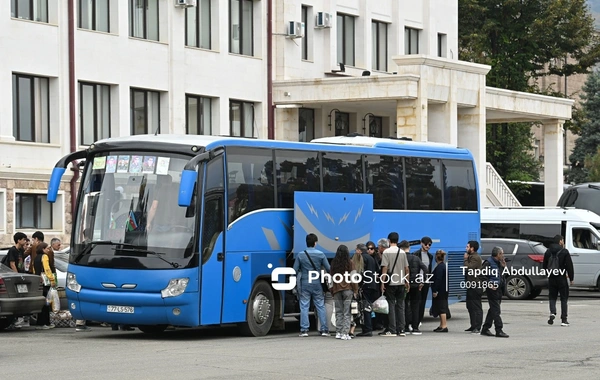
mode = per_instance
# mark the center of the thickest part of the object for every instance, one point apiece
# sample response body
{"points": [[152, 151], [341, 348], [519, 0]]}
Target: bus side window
{"points": [[213, 226]]}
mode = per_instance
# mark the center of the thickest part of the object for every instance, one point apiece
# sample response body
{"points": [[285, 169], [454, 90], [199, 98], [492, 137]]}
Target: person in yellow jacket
{"points": [[43, 264]]}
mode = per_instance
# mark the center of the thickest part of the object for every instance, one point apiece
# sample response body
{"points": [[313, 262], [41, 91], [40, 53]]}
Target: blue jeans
{"points": [[314, 291]]}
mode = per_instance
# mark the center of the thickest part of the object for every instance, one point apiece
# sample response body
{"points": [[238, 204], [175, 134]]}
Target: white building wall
{"points": [[123, 62]]}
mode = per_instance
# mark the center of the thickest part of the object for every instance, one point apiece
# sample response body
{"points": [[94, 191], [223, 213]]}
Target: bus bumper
{"points": [[135, 308]]}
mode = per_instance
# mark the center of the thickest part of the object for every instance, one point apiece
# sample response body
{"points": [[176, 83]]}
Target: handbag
{"points": [[325, 285]]}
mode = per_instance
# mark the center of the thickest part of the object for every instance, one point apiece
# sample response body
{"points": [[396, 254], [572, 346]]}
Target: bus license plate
{"points": [[120, 309], [22, 288]]}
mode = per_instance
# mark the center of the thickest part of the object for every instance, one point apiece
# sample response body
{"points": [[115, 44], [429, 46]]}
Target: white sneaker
{"points": [[338, 336], [410, 328], [303, 334], [345, 337], [45, 327]]}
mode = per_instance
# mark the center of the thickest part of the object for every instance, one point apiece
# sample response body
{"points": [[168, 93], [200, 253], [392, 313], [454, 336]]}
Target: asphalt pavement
{"points": [[534, 350]]}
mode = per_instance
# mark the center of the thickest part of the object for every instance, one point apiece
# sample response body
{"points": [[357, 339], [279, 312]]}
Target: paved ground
{"points": [[534, 350]]}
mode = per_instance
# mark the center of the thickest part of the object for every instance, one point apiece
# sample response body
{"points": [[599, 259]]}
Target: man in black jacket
{"points": [[369, 286], [427, 259], [412, 302], [557, 259]]}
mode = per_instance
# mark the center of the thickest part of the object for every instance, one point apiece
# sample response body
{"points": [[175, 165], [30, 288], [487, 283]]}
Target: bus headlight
{"points": [[72, 283], [176, 287]]}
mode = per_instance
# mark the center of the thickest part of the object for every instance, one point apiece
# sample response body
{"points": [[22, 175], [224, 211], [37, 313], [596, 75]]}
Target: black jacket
{"points": [[372, 268], [564, 259], [419, 254], [415, 266], [439, 281]]}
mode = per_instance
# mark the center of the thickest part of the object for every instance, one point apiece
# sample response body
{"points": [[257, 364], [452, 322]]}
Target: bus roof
{"points": [[357, 144], [537, 214]]}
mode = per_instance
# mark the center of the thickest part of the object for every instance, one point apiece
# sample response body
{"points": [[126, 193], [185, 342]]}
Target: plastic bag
{"points": [[53, 300], [381, 305]]}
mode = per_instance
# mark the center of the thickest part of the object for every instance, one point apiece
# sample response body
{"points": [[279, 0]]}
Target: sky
{"points": [[595, 8]]}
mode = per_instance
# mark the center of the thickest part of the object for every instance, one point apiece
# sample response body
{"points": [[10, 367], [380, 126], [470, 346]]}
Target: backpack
{"points": [[5, 260], [553, 261]]}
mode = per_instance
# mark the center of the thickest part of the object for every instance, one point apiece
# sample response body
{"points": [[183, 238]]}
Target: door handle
{"points": [[220, 256]]}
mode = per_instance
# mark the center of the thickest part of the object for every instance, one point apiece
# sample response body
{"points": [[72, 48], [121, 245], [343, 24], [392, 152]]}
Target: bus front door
{"points": [[213, 252]]}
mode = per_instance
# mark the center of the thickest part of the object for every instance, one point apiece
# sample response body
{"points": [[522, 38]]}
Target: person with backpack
{"points": [[558, 259], [14, 257]]}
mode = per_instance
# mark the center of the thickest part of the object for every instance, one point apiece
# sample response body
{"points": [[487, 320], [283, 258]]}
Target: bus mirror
{"points": [[186, 187], [57, 174]]}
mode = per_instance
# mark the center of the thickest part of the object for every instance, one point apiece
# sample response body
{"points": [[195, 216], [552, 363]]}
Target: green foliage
{"points": [[592, 164], [588, 142], [505, 151], [523, 40]]}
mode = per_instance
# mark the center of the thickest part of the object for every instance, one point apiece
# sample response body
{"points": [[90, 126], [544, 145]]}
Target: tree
{"points": [[523, 40], [592, 164], [588, 142]]}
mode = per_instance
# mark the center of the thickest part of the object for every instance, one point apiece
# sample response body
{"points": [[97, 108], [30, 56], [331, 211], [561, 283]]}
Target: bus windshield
{"points": [[128, 215]]}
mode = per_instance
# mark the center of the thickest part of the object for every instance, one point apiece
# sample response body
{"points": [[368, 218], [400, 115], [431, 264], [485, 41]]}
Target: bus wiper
{"points": [[90, 245], [157, 254]]}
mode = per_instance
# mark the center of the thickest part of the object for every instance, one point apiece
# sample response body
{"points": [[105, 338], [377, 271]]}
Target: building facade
{"points": [[76, 71]]}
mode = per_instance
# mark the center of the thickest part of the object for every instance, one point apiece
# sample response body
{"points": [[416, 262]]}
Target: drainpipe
{"points": [[270, 108], [72, 124]]}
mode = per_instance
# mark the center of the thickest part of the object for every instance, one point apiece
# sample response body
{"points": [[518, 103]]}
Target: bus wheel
{"points": [[517, 288], [152, 329], [260, 311]]}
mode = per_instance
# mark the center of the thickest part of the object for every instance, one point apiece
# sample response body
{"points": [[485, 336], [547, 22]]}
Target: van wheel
{"points": [[517, 288], [260, 311], [534, 293]]}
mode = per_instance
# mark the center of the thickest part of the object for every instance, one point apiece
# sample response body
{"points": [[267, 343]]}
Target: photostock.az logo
{"points": [[282, 271]]}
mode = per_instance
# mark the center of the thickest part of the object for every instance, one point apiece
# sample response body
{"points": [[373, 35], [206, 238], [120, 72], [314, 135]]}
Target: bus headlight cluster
{"points": [[72, 283], [176, 287]]}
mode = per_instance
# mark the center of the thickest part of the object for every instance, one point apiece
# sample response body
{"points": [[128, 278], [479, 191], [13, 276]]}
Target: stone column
{"points": [[553, 161], [471, 135], [411, 119]]}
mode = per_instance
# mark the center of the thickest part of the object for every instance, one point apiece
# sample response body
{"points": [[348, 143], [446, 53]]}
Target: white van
{"points": [[579, 227]]}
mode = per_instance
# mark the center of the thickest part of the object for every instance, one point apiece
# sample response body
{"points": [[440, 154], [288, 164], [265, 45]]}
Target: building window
{"points": [[94, 15], [411, 41], [379, 42], [143, 19], [345, 39], [306, 124], [145, 112], [34, 10], [241, 118], [342, 123], [197, 25], [198, 115], [241, 25], [31, 108], [94, 107], [376, 126], [306, 31], [441, 41], [2, 211], [32, 212]]}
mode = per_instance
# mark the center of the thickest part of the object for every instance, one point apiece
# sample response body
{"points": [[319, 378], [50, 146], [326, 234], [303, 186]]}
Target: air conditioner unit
{"points": [[185, 3], [295, 29], [323, 20]]}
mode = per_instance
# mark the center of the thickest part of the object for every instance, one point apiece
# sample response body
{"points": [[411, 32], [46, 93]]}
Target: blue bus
{"points": [[185, 230]]}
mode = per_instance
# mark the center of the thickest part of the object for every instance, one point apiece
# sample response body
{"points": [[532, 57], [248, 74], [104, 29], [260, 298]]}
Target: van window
{"points": [[500, 230], [584, 238], [543, 233]]}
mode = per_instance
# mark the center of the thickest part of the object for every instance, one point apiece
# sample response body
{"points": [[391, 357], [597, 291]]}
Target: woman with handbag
{"points": [[43, 264], [343, 289]]}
